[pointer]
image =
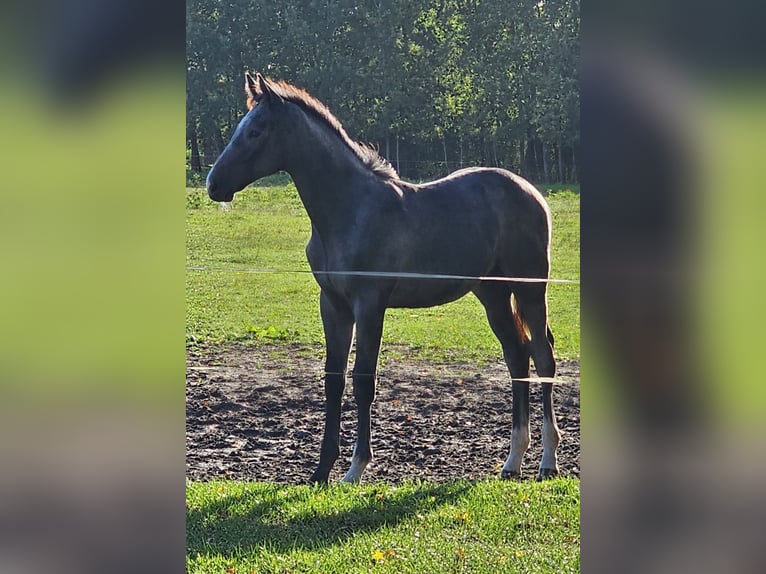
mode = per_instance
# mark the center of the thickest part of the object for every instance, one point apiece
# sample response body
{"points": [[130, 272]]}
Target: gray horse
{"points": [[372, 234]]}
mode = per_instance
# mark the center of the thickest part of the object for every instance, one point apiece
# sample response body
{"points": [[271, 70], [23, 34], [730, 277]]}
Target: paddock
{"points": [[438, 422]]}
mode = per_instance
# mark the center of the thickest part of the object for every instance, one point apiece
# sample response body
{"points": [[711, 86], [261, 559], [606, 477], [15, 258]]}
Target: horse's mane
{"points": [[368, 155]]}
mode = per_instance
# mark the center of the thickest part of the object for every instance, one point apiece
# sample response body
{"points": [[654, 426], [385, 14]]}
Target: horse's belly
{"points": [[412, 293]]}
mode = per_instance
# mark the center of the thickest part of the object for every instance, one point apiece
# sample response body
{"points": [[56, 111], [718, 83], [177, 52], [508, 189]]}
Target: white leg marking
{"points": [[354, 473], [551, 437], [519, 445]]}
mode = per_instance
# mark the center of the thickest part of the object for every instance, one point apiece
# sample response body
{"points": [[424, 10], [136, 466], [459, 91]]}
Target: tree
{"points": [[434, 83]]}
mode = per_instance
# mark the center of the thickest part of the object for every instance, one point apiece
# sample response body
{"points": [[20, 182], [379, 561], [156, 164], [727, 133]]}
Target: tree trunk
{"points": [[398, 169], [574, 175], [196, 164], [537, 146], [560, 150], [522, 158], [209, 149], [546, 166], [444, 147], [530, 160]]}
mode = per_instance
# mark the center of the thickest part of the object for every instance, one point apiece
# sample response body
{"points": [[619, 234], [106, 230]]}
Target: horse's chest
{"points": [[326, 262]]}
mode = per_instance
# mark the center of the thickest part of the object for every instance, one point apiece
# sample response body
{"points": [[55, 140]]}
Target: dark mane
{"points": [[366, 153]]}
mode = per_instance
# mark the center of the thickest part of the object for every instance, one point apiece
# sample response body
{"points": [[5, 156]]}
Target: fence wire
{"points": [[397, 275], [385, 274]]}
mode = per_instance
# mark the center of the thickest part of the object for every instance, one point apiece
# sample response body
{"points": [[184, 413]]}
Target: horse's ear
{"points": [[252, 90], [266, 90]]}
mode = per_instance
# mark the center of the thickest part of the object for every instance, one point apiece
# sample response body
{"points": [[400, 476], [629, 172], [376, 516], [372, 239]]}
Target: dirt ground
{"points": [[256, 413]]}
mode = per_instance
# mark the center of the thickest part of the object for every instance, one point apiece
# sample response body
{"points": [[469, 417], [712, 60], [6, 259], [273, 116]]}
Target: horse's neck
{"points": [[329, 177]]}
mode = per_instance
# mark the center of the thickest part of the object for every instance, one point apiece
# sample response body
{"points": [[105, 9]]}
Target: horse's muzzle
{"points": [[210, 185], [214, 192]]}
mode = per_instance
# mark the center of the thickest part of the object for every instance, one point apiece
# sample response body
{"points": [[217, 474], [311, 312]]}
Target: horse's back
{"points": [[506, 184], [514, 204]]}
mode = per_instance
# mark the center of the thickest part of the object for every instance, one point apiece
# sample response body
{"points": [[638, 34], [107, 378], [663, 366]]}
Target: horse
{"points": [[379, 242]]}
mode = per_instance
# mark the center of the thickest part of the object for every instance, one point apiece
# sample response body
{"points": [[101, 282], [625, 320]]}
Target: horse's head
{"points": [[252, 153]]}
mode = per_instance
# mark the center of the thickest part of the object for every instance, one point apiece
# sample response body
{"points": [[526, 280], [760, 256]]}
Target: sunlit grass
{"points": [[487, 526]]}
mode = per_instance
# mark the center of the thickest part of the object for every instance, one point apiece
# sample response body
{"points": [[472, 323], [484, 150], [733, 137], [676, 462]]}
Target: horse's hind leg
{"points": [[534, 310], [496, 300], [338, 323]]}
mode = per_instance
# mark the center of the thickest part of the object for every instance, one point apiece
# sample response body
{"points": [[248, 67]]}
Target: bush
{"points": [[195, 178], [193, 198]]}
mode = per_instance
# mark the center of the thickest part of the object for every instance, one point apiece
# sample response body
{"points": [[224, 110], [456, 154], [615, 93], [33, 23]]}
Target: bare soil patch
{"points": [[256, 413]]}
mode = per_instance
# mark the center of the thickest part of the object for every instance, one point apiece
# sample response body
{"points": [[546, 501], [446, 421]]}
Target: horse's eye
{"points": [[254, 132]]}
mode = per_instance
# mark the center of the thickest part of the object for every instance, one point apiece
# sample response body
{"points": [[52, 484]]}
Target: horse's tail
{"points": [[521, 325]]}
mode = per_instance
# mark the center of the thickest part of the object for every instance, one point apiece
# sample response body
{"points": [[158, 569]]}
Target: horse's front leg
{"points": [[369, 329], [338, 322]]}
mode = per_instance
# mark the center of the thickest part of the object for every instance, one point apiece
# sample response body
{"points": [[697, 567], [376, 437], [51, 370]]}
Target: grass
{"points": [[267, 228], [487, 526]]}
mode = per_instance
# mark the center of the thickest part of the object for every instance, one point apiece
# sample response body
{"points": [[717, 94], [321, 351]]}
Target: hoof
{"points": [[546, 473], [358, 464], [510, 475], [319, 477], [351, 479]]}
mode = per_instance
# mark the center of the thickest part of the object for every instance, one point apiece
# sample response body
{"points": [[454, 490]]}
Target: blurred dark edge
{"points": [[83, 46], [93, 483], [663, 487]]}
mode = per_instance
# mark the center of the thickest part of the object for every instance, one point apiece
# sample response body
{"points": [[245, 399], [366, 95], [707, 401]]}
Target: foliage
{"points": [[487, 526], [267, 228], [435, 84], [195, 179]]}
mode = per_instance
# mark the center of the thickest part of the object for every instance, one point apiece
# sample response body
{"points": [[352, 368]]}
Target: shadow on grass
{"points": [[284, 519]]}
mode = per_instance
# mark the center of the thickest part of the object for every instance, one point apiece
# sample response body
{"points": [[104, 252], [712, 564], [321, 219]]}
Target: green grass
{"points": [[487, 526], [267, 228]]}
